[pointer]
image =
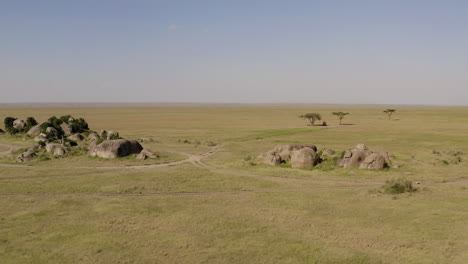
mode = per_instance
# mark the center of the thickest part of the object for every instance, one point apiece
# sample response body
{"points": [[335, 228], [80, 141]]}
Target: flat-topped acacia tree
{"points": [[340, 115], [389, 112], [312, 117]]}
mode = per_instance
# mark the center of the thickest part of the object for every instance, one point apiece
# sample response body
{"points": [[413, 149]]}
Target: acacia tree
{"points": [[340, 115], [312, 117], [389, 112]]}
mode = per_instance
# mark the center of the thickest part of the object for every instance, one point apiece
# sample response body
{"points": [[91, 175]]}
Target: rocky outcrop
{"points": [[304, 158], [35, 130], [285, 151], [19, 124], [25, 156], [270, 158], [116, 148], [59, 151], [66, 128], [51, 146], [363, 158]]}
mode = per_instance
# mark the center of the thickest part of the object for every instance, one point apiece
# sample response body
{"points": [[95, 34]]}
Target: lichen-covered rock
{"points": [[304, 158], [116, 148], [25, 157], [19, 124]]}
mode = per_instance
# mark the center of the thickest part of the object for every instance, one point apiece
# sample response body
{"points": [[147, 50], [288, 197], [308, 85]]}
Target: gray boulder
{"points": [[110, 149], [19, 124], [25, 157], [66, 128], [374, 161], [285, 151], [147, 154], [361, 157], [35, 129], [304, 158]]}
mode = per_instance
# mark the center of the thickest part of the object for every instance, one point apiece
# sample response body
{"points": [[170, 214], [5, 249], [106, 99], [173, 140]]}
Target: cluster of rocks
{"points": [[104, 144], [305, 156]]}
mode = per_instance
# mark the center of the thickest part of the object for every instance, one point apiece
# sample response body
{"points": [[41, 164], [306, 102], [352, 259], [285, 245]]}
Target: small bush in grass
{"points": [[397, 186]]}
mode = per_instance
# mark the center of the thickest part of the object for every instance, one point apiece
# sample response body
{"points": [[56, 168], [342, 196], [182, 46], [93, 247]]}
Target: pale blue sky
{"points": [[346, 52]]}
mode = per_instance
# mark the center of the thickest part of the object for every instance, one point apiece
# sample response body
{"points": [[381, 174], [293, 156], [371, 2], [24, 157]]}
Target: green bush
{"points": [[79, 125], [397, 186], [9, 125], [30, 121], [65, 118]]}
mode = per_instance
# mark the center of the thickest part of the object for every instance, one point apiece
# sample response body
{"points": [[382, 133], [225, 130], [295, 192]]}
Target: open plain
{"points": [[209, 200]]}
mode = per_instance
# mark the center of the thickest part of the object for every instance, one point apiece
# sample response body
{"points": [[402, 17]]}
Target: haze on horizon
{"points": [[329, 52]]}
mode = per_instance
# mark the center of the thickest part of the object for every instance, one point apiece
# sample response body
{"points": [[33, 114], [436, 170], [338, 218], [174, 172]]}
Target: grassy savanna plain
{"points": [[227, 207]]}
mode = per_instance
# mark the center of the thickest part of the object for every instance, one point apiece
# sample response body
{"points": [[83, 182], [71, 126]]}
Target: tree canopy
{"points": [[389, 112], [312, 117], [340, 115]]}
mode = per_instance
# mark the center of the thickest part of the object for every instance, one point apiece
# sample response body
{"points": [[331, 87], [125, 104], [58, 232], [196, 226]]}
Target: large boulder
{"points": [[110, 149], [35, 129], [361, 157], [147, 154], [304, 158], [374, 161], [25, 156], [285, 151], [19, 124], [354, 157], [66, 128]]}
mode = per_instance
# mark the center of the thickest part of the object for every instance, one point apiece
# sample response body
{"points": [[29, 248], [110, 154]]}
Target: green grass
{"points": [[238, 210]]}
